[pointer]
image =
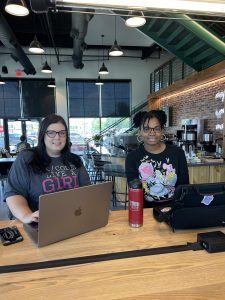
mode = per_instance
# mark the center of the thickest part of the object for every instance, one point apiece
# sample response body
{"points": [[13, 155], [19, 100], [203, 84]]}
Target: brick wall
{"points": [[199, 102]]}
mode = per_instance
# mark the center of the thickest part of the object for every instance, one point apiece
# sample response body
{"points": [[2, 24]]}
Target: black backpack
{"points": [[194, 206]]}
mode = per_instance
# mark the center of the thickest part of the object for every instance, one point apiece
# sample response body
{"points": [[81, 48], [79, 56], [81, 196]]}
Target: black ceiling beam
{"points": [[10, 41]]}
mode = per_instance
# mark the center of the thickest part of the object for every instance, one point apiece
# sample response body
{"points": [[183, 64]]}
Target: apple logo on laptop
{"points": [[78, 212]]}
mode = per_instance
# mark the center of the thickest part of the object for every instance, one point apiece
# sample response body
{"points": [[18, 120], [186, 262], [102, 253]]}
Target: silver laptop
{"points": [[69, 213]]}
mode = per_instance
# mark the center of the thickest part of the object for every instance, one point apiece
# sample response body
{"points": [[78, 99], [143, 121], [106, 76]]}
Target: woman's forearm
{"points": [[19, 208]]}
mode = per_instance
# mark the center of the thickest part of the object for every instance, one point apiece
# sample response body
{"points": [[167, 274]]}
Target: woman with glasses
{"points": [[159, 166], [49, 167]]}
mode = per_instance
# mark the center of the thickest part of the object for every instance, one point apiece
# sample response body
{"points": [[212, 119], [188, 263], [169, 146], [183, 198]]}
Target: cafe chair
{"points": [[115, 173], [98, 166]]}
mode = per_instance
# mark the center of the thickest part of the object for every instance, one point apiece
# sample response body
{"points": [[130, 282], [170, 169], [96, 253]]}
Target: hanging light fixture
{"points": [[103, 70], [46, 68], [99, 81], [2, 80], [17, 8], [135, 19], [51, 83], [36, 47], [115, 49], [4, 70]]}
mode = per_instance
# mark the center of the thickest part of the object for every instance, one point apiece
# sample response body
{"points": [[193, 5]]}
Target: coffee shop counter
{"points": [[205, 171]]}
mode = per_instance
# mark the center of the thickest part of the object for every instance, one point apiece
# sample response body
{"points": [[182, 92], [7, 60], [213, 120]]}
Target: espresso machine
{"points": [[207, 142], [190, 134]]}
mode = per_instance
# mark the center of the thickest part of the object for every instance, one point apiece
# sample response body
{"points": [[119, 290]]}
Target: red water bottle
{"points": [[136, 196]]}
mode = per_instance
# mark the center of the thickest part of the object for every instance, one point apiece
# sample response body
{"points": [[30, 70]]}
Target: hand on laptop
{"points": [[33, 217]]}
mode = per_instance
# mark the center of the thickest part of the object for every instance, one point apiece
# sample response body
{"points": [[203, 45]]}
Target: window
{"points": [[26, 98], [38, 98], [86, 99], [115, 99], [10, 99], [83, 99], [92, 109]]}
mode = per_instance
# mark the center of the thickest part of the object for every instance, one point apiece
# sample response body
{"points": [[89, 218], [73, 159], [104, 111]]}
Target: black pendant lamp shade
{"points": [[36, 47], [99, 81], [103, 70], [2, 80], [115, 50], [17, 8], [51, 83], [46, 68], [4, 70]]}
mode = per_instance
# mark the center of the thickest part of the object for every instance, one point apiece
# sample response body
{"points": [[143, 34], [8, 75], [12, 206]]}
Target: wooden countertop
{"points": [[212, 162], [183, 275], [209, 162]]}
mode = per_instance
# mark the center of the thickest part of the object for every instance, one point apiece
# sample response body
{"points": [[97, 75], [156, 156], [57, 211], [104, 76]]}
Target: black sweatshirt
{"points": [[159, 173]]}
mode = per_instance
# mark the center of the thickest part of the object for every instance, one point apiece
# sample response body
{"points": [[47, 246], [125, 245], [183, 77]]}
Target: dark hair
{"points": [[138, 117], [23, 138], [158, 114], [41, 160]]}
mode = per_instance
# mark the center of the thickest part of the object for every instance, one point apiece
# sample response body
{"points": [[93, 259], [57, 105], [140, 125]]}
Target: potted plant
{"points": [[97, 138]]}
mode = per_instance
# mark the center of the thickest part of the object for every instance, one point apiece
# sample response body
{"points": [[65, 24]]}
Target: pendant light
{"points": [[17, 8], [135, 19], [115, 49], [4, 70], [103, 70], [99, 81], [36, 47], [46, 68], [2, 80], [51, 83]]}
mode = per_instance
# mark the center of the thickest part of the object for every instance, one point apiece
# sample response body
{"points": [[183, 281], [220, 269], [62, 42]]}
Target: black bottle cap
{"points": [[135, 184]]}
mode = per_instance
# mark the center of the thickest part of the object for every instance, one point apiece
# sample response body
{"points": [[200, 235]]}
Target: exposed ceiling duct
{"points": [[9, 40], [78, 30], [78, 33]]}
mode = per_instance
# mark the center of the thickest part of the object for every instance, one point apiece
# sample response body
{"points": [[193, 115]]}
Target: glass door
{"points": [[16, 128], [31, 132], [15, 132]]}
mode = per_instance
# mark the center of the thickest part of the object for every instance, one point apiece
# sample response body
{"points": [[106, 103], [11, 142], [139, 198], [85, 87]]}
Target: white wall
{"points": [[137, 70]]}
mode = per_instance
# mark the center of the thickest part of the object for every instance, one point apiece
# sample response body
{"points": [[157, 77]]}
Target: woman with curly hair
{"points": [[159, 166]]}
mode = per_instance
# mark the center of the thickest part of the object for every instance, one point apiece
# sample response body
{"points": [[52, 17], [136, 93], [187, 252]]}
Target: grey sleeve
{"points": [[83, 176], [18, 178]]}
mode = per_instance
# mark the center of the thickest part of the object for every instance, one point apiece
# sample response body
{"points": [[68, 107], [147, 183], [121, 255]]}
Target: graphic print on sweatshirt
{"points": [[158, 179], [60, 177]]}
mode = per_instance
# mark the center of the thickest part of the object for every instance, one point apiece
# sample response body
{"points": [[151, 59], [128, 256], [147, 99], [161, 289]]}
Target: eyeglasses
{"points": [[156, 129], [52, 133]]}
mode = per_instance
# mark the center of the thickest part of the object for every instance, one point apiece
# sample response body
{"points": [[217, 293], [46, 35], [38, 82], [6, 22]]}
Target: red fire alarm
{"points": [[19, 73]]}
